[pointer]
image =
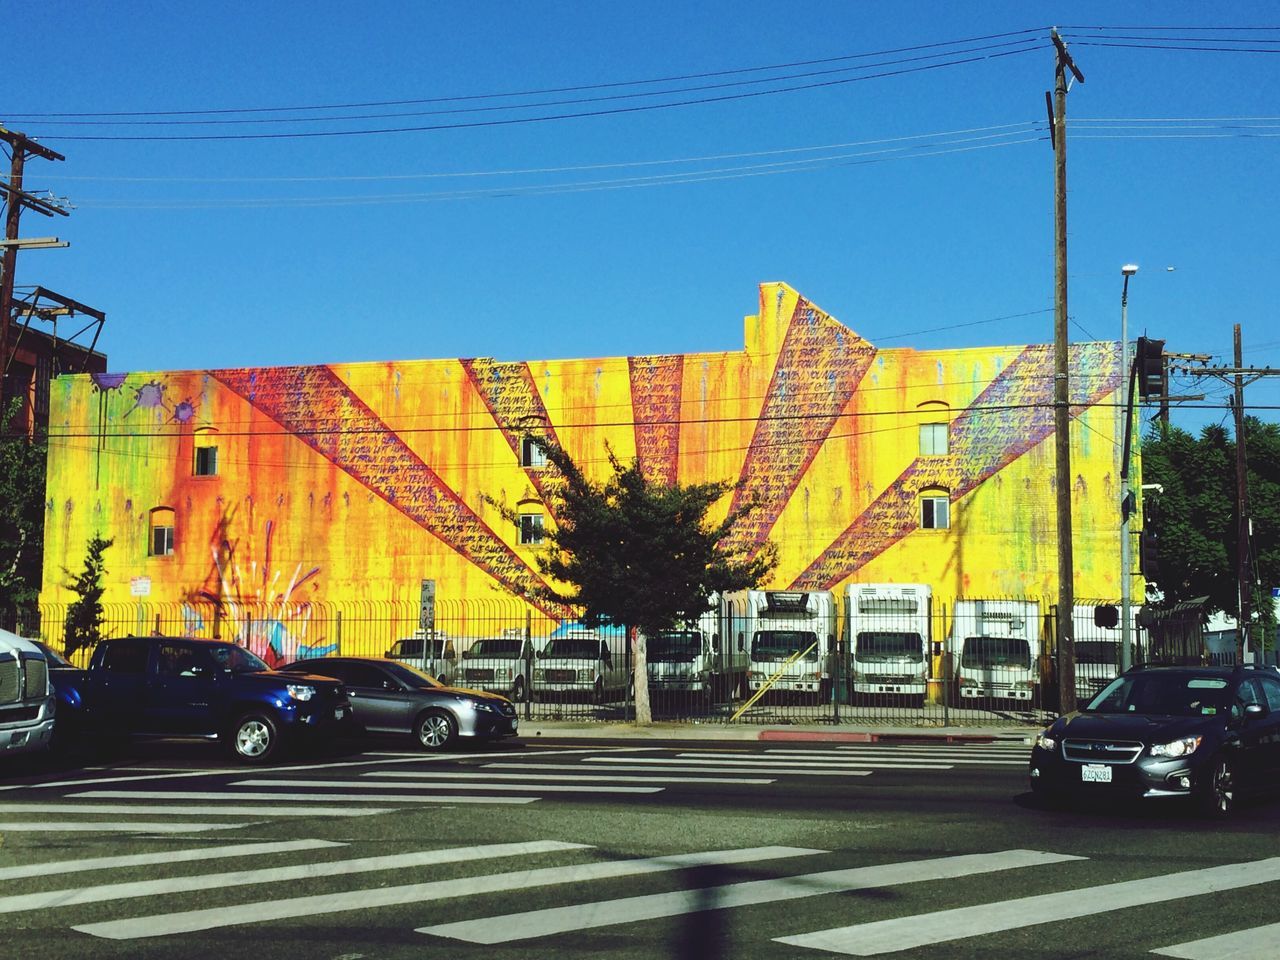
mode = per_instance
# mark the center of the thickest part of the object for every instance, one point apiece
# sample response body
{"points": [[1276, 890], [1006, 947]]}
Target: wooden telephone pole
{"points": [[1061, 380]]}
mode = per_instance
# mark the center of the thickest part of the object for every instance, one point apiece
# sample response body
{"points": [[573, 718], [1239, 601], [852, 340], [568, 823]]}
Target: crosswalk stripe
{"points": [[128, 826], [541, 923], [345, 902], [706, 761], [1259, 943], [649, 767], [188, 810], [593, 778], [908, 760], [169, 856], [305, 871], [447, 785], [291, 797], [903, 933]]}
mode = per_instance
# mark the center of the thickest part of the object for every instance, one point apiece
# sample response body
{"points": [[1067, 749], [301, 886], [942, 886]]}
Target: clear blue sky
{"points": [[923, 215]]}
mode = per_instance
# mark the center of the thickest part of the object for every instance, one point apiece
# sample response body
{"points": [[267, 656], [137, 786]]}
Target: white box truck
{"points": [[889, 638], [695, 660], [1097, 633], [997, 645], [790, 638], [26, 696]]}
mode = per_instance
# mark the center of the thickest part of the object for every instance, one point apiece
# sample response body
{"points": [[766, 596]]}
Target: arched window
{"points": [[935, 508], [206, 452], [935, 418], [529, 517], [160, 541]]}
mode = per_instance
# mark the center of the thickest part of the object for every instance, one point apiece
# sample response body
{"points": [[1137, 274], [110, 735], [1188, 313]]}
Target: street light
{"points": [[1126, 561]]}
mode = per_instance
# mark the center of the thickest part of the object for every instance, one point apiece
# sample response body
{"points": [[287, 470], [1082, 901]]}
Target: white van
{"points": [[1098, 646], [694, 659], [582, 664], [26, 696], [889, 638], [789, 635], [434, 654], [998, 646]]}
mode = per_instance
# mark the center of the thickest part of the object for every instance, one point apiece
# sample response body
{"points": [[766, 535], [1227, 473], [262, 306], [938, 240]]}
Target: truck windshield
{"points": [[783, 644], [996, 652], [675, 646], [574, 648], [877, 647], [1097, 651], [500, 648]]}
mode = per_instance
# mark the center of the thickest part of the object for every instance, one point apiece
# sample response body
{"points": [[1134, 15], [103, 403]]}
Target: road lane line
{"points": [[906, 760], [904, 933], [134, 826], [169, 856], [541, 923], [636, 769], [592, 778], [188, 810], [348, 902], [49, 899], [1259, 943], [447, 785], [289, 797]]}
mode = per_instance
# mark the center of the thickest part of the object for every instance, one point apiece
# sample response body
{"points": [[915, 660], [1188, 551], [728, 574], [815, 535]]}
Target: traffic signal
{"points": [[1148, 365], [1149, 555]]}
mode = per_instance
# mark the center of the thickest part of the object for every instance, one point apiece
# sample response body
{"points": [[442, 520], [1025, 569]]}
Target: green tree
{"points": [[640, 555], [84, 616], [1195, 516], [22, 472]]}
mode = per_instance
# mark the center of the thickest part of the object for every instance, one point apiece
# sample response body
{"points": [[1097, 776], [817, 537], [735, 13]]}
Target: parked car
{"points": [[395, 698], [26, 696], [1208, 733], [499, 665], [210, 689]]}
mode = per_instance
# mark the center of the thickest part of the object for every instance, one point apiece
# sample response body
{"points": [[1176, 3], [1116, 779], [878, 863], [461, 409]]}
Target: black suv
{"points": [[1208, 733], [211, 689]]}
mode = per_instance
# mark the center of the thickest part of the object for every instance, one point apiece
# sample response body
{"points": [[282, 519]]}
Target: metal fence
{"points": [[758, 658]]}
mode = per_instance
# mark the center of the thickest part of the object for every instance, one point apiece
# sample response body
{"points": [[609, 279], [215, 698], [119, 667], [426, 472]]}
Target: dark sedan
{"points": [[1208, 733], [388, 697]]}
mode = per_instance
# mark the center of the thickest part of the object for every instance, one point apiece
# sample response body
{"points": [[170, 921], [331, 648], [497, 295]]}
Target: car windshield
{"points": [[411, 675], [1164, 694], [55, 659], [675, 646], [1097, 651], [879, 646], [783, 644], [995, 652], [499, 649], [574, 648], [236, 659]]}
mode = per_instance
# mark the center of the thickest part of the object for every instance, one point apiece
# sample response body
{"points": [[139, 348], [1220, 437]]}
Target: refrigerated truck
{"points": [[889, 632], [697, 660], [997, 643], [789, 636]]}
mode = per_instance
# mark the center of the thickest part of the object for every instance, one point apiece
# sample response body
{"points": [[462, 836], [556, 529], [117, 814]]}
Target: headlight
{"points": [[1046, 742], [502, 673], [539, 675], [485, 707], [586, 676], [300, 691], [1177, 748]]}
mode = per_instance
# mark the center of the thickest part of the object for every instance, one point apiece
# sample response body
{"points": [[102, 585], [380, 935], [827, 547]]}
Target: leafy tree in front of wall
{"points": [[84, 615], [638, 554], [22, 473]]}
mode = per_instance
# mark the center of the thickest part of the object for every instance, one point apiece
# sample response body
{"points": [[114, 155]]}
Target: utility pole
{"points": [[1242, 508], [1061, 381]]}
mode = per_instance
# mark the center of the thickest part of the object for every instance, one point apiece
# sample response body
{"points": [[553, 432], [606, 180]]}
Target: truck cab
{"points": [[431, 651], [693, 659], [889, 639], [27, 704], [790, 639], [997, 643]]}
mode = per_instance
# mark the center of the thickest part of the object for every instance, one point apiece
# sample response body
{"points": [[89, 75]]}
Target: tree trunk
{"points": [[640, 675]]}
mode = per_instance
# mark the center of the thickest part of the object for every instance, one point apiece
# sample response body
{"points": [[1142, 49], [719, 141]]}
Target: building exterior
{"points": [[346, 486]]}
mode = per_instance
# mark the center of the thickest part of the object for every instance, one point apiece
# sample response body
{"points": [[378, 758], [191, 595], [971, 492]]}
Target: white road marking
{"points": [[345, 901], [905, 759], [635, 768], [1259, 943], [305, 871], [446, 785], [169, 856], [246, 796], [592, 778], [541, 923], [187, 810], [904, 933], [135, 826], [706, 761]]}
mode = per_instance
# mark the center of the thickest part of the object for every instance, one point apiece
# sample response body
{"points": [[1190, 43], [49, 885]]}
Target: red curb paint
{"points": [[816, 736]]}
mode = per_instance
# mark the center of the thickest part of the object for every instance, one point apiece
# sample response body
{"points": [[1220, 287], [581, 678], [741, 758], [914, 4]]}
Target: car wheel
{"points": [[1217, 797], [254, 738], [517, 690], [435, 730]]}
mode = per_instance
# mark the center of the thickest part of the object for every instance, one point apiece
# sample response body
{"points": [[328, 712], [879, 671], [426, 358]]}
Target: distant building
{"points": [[348, 485], [36, 357]]}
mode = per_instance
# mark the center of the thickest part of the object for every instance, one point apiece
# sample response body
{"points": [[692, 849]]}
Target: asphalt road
{"points": [[573, 848]]}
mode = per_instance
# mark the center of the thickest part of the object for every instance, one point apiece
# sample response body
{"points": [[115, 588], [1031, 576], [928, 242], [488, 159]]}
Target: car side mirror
{"points": [[1252, 710]]}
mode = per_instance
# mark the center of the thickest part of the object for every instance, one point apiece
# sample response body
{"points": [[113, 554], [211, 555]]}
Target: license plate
{"points": [[339, 713], [1095, 773]]}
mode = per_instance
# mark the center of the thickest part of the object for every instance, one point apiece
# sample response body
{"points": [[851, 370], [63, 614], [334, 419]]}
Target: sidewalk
{"points": [[817, 733]]}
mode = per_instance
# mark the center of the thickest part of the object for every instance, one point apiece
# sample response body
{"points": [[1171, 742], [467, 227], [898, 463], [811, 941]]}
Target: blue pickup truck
{"points": [[208, 689]]}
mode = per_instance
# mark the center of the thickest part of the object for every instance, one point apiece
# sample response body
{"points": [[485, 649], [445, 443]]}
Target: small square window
{"points": [[161, 541], [935, 513], [933, 439], [531, 528], [531, 455], [206, 461]]}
